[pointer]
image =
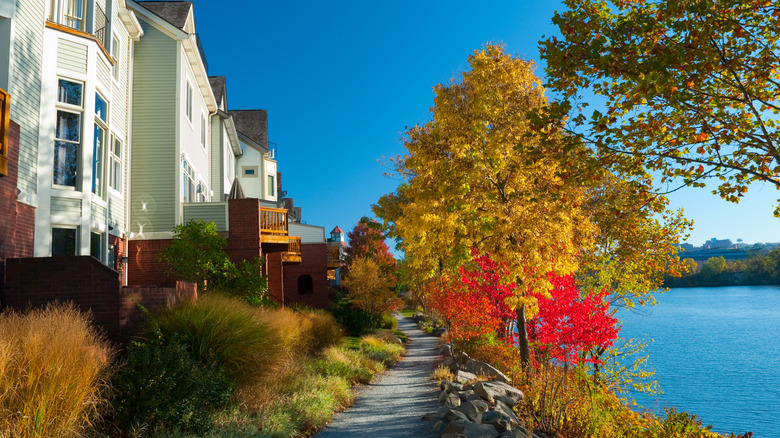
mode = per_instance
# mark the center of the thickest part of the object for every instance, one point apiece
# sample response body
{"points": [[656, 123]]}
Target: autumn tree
{"points": [[478, 175], [367, 240], [571, 326], [369, 288], [691, 88]]}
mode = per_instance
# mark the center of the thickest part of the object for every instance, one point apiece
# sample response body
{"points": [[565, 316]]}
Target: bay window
{"points": [[67, 136], [98, 162], [69, 13]]}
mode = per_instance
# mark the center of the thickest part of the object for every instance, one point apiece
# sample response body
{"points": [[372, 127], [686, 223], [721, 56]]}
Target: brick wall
{"points": [[92, 287], [17, 220], [273, 271], [313, 257], [120, 251], [144, 267], [244, 236]]}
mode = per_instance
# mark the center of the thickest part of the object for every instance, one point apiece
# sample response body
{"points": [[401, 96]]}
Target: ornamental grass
{"points": [[53, 370]]}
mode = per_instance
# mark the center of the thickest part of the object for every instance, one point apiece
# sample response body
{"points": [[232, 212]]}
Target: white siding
{"points": [[26, 87], [155, 167], [104, 73], [189, 132], [307, 233], [72, 56]]}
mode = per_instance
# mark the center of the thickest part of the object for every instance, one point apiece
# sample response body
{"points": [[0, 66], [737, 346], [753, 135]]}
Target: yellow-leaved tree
{"points": [[479, 176], [484, 173]]}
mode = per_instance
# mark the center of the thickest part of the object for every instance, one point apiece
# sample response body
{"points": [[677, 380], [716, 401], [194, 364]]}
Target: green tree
{"points": [[196, 253], [691, 88], [714, 266]]}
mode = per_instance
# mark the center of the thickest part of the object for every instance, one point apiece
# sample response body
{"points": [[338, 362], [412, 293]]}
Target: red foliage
{"points": [[367, 240], [486, 280], [569, 326]]}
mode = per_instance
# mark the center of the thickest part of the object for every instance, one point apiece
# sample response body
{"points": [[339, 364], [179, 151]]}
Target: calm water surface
{"points": [[716, 352]]}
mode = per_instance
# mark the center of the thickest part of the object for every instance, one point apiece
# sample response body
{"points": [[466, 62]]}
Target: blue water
{"points": [[716, 352]]}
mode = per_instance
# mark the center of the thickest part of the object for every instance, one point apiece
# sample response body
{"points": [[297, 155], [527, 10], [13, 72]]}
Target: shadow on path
{"points": [[394, 405]]}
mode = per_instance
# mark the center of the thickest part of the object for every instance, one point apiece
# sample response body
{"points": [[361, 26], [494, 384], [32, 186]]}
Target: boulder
{"points": [[509, 401], [464, 395], [474, 430], [454, 415], [439, 331], [457, 426], [441, 412], [498, 420], [471, 411], [490, 390], [445, 350], [465, 376], [451, 400], [483, 369], [481, 405], [452, 386], [453, 435], [508, 413]]}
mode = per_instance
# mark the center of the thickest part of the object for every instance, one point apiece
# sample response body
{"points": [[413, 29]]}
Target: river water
{"points": [[716, 352]]}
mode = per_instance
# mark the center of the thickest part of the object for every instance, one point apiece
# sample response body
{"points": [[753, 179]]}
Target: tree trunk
{"points": [[522, 332]]}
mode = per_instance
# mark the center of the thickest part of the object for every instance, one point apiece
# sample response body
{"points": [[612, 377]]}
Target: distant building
{"points": [[337, 244]]}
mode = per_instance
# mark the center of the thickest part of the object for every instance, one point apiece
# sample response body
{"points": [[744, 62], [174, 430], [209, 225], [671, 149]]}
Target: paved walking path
{"points": [[394, 404]]}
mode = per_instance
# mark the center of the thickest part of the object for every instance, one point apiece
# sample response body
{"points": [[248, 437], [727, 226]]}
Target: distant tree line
{"points": [[757, 269]]}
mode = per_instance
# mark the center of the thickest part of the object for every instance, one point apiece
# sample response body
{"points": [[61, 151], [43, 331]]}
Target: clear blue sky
{"points": [[342, 80]]}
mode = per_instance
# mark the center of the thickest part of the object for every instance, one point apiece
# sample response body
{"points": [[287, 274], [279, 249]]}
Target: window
{"points": [[98, 161], [69, 13], [203, 130], [305, 285], [249, 171], [115, 50], [5, 114], [63, 242], [67, 137], [96, 245], [271, 189], [200, 192], [187, 182], [115, 165], [189, 102]]}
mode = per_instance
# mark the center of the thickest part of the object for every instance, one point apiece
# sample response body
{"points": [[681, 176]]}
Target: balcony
{"points": [[273, 225], [333, 257], [293, 254]]}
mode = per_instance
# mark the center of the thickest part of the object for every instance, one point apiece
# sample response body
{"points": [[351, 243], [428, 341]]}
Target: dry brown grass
{"points": [[442, 373], [53, 366]]}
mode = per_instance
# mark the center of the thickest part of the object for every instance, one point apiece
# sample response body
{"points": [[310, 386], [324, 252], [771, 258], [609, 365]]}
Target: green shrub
{"points": [[221, 331], [381, 351], [53, 370], [162, 386], [389, 322], [355, 321], [196, 253], [245, 281]]}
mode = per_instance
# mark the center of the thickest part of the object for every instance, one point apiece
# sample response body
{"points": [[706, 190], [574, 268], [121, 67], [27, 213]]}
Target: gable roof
{"points": [[218, 86], [252, 124], [174, 12]]}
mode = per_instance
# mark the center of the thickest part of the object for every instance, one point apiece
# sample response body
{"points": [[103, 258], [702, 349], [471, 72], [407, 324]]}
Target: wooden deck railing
{"points": [[293, 253], [273, 225]]}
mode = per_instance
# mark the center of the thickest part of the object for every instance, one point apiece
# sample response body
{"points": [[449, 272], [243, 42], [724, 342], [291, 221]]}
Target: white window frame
{"points": [[115, 165], [203, 130], [73, 109], [116, 53], [270, 190], [188, 185], [76, 233], [99, 186], [63, 12], [188, 103]]}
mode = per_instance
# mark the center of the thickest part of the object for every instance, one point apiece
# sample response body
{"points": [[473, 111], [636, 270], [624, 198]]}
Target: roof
{"points": [[218, 86], [253, 124], [174, 12], [337, 230]]}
